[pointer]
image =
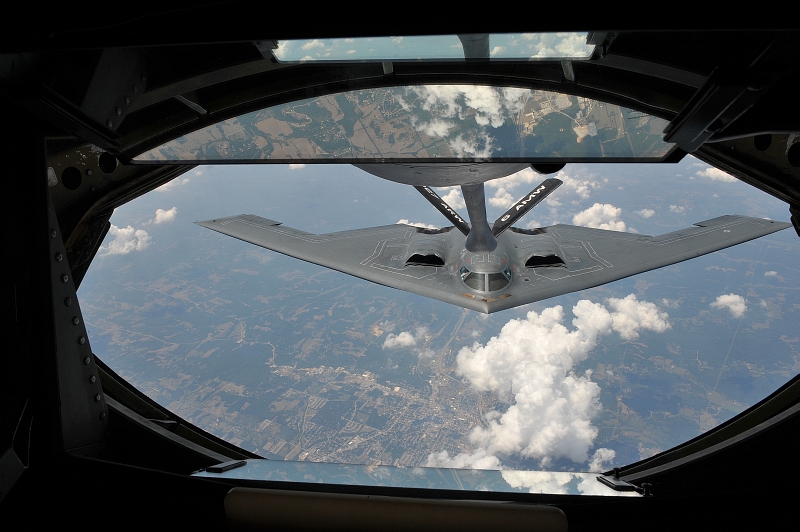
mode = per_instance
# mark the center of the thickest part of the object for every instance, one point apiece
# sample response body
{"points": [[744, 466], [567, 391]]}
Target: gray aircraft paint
{"points": [[591, 257]]}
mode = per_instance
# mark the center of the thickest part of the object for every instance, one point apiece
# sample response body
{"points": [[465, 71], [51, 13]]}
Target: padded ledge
{"points": [[262, 509]]}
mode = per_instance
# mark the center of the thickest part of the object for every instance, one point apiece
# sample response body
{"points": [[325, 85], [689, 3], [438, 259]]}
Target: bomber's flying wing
{"points": [[545, 262]]}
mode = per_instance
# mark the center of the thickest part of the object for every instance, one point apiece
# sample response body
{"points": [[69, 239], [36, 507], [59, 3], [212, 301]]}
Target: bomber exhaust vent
{"points": [[418, 259], [544, 261]]}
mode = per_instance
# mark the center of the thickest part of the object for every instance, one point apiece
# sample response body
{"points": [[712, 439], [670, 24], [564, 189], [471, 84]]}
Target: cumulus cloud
{"points": [[716, 174], [771, 273], [645, 213], [600, 216], [452, 196], [530, 364], [126, 240], [574, 185], [175, 183], [404, 339], [733, 302], [677, 209], [310, 45], [417, 224], [297, 166], [489, 107], [163, 216]]}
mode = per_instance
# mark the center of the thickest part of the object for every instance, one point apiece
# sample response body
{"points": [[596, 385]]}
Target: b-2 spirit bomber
{"points": [[485, 268]]}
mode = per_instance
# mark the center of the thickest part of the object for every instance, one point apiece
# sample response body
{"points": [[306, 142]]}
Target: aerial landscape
{"points": [[427, 122], [297, 362]]}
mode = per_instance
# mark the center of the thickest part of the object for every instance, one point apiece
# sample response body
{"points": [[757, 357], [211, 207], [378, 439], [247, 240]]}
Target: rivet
{"points": [[82, 340], [135, 89], [103, 414], [76, 320], [67, 301], [97, 398], [53, 233], [119, 111], [87, 360], [92, 379], [59, 256], [93, 189], [89, 171], [64, 278], [127, 99]]}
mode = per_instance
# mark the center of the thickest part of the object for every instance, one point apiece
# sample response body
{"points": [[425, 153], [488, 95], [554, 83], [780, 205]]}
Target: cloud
{"points": [[600, 216], [671, 303], [163, 216], [716, 174], [677, 209], [631, 315], [530, 365], [417, 224], [296, 166], [175, 183], [497, 50], [310, 45], [645, 213], [771, 273], [734, 303], [404, 339], [453, 197], [126, 240]]}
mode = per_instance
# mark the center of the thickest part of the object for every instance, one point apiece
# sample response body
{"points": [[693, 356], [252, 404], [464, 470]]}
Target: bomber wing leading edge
{"points": [[525, 265]]}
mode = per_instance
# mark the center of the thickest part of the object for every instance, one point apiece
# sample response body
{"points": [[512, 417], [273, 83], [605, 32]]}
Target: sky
{"points": [[534, 357]]}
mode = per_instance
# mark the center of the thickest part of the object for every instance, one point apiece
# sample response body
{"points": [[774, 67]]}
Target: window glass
{"points": [[298, 362], [531, 46], [427, 123]]}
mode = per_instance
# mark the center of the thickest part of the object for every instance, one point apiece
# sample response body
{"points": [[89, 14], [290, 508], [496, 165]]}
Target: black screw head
{"points": [[67, 301], [103, 414], [59, 256], [92, 379], [82, 340], [87, 360], [64, 278], [76, 320], [97, 398], [53, 233]]}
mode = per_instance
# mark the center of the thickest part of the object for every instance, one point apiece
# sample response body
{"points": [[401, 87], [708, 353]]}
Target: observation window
{"points": [[427, 123]]}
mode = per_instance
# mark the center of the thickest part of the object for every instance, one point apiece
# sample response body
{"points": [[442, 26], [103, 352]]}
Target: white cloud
{"points": [[417, 224], [530, 364], [631, 315], [677, 209], [497, 50], [598, 462], [502, 198], [310, 45], [126, 239], [166, 187], [645, 213], [671, 303], [163, 216], [600, 216], [454, 198], [296, 166], [716, 174], [733, 302], [404, 339], [771, 273]]}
